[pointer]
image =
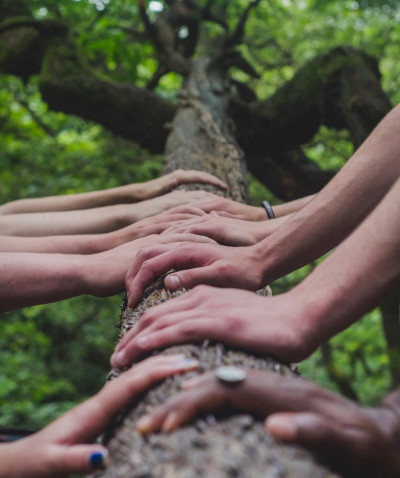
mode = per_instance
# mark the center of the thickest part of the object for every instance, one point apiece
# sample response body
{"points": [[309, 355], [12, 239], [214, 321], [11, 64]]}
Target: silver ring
{"points": [[230, 374]]}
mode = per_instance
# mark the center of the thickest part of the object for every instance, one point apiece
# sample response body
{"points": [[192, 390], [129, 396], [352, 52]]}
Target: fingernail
{"points": [[142, 341], [170, 422], [174, 282], [190, 383], [98, 459], [281, 427], [117, 359], [185, 364], [145, 424]]}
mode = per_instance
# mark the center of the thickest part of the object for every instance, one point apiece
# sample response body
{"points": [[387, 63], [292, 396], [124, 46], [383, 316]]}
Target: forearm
{"points": [[333, 213], [9, 460], [69, 244], [264, 229], [392, 402], [70, 202], [356, 276], [88, 221], [291, 206], [30, 279]]}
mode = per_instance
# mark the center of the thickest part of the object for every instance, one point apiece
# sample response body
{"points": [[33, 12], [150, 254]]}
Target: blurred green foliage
{"points": [[52, 356]]}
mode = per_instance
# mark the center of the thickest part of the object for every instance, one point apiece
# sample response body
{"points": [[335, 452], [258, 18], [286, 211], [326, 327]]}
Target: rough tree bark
{"points": [[222, 446], [340, 89]]}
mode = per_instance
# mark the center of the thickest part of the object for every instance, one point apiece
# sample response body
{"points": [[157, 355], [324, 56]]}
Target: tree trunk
{"points": [[223, 445], [390, 312]]}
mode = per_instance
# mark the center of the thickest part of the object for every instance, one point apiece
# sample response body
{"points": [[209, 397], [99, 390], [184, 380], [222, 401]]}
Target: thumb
{"points": [[310, 429], [189, 278], [78, 459]]}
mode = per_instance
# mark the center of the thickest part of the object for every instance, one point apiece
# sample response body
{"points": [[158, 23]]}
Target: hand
{"points": [[168, 182], [167, 201], [210, 264], [224, 230], [148, 226], [272, 325], [66, 445], [226, 207], [104, 273], [355, 439]]}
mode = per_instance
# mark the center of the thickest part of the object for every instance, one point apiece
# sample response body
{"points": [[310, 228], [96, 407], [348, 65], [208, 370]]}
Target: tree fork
{"points": [[213, 446]]}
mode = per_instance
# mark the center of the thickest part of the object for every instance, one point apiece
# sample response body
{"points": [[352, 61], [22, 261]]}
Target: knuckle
{"points": [[187, 329], [142, 254]]}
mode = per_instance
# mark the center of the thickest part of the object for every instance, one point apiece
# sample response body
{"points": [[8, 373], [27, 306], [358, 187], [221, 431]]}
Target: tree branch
{"points": [[236, 37], [337, 376]]}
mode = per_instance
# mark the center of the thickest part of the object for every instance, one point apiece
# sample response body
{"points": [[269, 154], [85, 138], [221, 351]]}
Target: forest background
{"points": [[53, 356]]}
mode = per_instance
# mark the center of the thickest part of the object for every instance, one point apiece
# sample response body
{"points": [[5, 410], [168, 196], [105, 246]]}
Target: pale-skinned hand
{"points": [[268, 325], [150, 225], [361, 441], [221, 206], [179, 197], [104, 273], [225, 230], [211, 264], [66, 445], [168, 182]]}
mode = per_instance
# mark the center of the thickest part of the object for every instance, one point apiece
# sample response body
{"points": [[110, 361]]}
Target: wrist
{"points": [[268, 209], [386, 419], [89, 274], [259, 214], [391, 405], [268, 259], [312, 322]]}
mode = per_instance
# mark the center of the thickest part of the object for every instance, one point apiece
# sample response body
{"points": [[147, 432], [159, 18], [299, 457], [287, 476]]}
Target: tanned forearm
{"points": [[291, 206], [356, 276], [333, 213]]}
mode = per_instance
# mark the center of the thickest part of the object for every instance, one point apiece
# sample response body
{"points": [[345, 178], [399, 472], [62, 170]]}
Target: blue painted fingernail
{"points": [[98, 459]]}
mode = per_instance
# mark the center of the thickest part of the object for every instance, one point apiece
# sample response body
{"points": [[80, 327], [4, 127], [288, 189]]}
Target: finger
{"points": [[64, 460], [186, 209], [183, 332], [185, 406], [226, 214], [87, 420], [202, 177], [191, 277], [186, 237], [148, 264], [315, 431], [146, 268], [160, 313]]}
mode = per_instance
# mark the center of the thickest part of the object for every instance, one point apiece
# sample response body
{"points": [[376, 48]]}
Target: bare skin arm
{"points": [[67, 445], [224, 207], [92, 221], [318, 227], [34, 278], [289, 326], [92, 243], [129, 193], [362, 440], [228, 231]]}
